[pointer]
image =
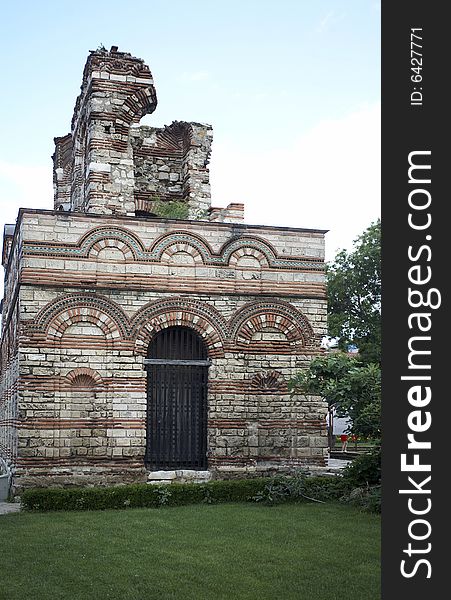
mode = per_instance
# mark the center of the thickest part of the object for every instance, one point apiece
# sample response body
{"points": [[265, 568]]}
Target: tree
{"points": [[349, 386], [354, 294]]}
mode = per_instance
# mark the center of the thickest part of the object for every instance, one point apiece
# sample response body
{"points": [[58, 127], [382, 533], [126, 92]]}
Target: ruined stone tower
{"points": [[106, 166], [146, 334]]}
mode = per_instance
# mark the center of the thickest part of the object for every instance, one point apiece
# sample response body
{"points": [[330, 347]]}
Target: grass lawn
{"points": [[201, 552]]}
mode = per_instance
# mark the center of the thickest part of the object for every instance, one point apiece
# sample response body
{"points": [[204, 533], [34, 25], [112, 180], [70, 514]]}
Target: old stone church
{"points": [[145, 333]]}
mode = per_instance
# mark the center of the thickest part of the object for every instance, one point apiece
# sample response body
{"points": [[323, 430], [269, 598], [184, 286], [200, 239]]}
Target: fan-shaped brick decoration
{"points": [[268, 381], [84, 378]]}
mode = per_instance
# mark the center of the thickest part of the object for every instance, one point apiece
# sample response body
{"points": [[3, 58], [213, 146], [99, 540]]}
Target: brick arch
{"points": [[167, 244], [264, 251], [66, 318], [172, 312], [249, 252], [142, 102], [97, 248], [111, 237], [276, 314], [68, 310], [176, 247], [84, 378], [266, 322]]}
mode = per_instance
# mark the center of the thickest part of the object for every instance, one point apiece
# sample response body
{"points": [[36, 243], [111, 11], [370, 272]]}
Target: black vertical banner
{"points": [[416, 367]]}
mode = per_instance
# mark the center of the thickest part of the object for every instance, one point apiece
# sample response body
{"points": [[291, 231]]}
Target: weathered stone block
{"points": [[162, 475]]}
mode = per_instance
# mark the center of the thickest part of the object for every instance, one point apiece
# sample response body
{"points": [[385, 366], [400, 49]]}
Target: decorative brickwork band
{"points": [[243, 329], [164, 247]]}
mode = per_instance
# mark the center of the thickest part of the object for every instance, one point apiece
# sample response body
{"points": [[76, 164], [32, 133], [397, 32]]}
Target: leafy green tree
{"points": [[354, 294], [349, 386]]}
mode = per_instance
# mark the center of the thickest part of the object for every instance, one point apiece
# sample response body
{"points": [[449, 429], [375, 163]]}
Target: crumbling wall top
{"points": [[106, 166], [113, 71]]}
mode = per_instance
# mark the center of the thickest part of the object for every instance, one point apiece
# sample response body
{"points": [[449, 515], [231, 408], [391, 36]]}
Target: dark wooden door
{"points": [[177, 381]]}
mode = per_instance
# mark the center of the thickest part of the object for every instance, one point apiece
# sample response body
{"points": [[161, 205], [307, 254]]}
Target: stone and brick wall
{"points": [[90, 301], [171, 164], [88, 285]]}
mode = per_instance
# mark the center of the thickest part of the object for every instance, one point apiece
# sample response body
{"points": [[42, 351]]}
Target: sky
{"points": [[291, 88]]}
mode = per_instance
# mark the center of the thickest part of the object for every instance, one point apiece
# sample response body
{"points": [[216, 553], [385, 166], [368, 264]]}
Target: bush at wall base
{"points": [[154, 496]]}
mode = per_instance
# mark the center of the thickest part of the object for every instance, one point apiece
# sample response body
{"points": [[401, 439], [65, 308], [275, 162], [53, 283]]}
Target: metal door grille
{"points": [[177, 381]]}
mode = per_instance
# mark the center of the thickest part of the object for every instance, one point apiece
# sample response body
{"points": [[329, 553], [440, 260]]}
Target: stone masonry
{"points": [[107, 166], [89, 284]]}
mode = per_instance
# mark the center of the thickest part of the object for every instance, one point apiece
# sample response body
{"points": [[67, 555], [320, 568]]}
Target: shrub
{"points": [[140, 495], [171, 209], [235, 490], [367, 498], [297, 488], [363, 476], [283, 489], [327, 488], [364, 470], [300, 487]]}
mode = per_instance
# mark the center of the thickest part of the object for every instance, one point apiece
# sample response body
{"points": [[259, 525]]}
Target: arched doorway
{"points": [[177, 378]]}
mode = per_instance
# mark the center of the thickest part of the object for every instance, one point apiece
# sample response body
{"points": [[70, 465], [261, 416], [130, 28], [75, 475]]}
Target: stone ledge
{"points": [[178, 476]]}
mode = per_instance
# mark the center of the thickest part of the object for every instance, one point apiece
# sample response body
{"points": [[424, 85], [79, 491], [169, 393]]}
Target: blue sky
{"points": [[292, 89]]}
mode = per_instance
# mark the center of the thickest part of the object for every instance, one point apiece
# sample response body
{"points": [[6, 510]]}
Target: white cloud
{"points": [[329, 178], [24, 186]]}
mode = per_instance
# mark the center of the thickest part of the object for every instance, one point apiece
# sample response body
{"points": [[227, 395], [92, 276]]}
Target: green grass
{"points": [[202, 552]]}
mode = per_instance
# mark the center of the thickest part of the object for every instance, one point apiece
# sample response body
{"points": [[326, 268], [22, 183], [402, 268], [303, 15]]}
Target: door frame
{"points": [[163, 455]]}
